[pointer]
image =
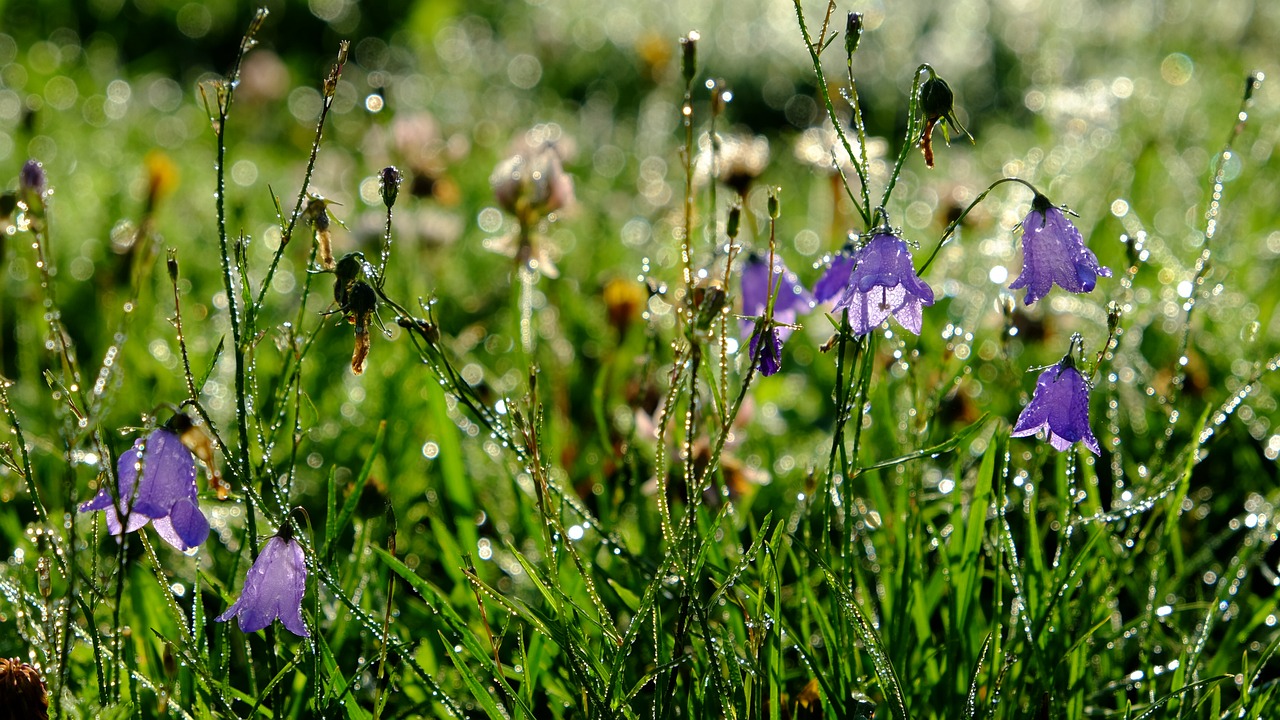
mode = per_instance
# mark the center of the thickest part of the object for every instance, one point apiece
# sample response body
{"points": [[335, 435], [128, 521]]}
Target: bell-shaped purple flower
{"points": [[1053, 251], [791, 299], [165, 497], [883, 282], [1059, 407], [273, 588]]}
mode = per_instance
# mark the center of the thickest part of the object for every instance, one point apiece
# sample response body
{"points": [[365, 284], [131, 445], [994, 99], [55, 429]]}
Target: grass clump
{"points": [[634, 414]]}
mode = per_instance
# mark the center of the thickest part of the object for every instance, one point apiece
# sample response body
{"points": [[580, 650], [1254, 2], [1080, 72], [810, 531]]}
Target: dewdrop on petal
{"points": [[165, 495]]}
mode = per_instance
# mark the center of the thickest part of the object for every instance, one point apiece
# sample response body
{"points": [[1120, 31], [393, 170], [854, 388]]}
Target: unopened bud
{"points": [[31, 179], [773, 204], [1114, 312], [171, 260], [852, 33], [389, 185], [735, 220], [689, 55]]}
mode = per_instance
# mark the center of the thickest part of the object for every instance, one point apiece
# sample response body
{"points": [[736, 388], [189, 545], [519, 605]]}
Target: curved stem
{"points": [[913, 128], [951, 227]]}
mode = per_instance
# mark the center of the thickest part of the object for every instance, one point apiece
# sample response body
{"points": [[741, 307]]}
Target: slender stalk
{"points": [[909, 141], [330, 87], [225, 94], [951, 227], [823, 89]]}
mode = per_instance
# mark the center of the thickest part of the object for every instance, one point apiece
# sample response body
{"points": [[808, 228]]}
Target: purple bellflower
{"points": [[273, 588], [165, 497], [792, 297], [877, 281], [1059, 406], [1053, 251]]}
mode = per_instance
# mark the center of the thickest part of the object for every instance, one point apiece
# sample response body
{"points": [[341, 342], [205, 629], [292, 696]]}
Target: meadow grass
{"points": [[560, 485]]}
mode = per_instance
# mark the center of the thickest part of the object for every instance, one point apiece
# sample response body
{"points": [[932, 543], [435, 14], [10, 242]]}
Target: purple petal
{"points": [[755, 279], [885, 283], [168, 474], [273, 588], [1053, 251], [1060, 408], [771, 357], [834, 280], [185, 527]]}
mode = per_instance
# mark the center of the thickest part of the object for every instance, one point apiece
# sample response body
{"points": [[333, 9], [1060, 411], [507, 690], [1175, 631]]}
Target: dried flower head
{"points": [[165, 497], [1053, 251], [736, 160], [273, 588], [316, 214], [361, 305], [1059, 406], [22, 691], [531, 183]]}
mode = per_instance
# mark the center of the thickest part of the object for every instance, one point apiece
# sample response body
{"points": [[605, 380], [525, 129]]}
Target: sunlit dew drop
{"points": [[373, 103], [998, 274]]}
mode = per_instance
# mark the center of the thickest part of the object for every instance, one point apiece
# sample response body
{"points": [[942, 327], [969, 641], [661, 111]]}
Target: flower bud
{"points": [[31, 179], [735, 220], [689, 55], [852, 33], [936, 98], [389, 185]]}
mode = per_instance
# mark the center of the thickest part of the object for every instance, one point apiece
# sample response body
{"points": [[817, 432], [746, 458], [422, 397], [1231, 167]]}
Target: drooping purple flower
{"points": [[791, 299], [884, 282], [771, 355], [1059, 407], [165, 497], [273, 588], [1053, 251]]}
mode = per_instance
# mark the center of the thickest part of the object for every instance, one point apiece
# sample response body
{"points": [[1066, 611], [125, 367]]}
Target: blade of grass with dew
{"points": [[353, 498]]}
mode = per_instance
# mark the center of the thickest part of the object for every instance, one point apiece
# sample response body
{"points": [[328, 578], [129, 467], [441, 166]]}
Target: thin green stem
{"points": [[863, 208], [951, 227], [330, 85]]}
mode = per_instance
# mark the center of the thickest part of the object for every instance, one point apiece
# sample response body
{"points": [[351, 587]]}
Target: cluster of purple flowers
{"points": [[156, 484], [878, 280]]}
